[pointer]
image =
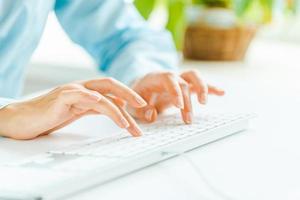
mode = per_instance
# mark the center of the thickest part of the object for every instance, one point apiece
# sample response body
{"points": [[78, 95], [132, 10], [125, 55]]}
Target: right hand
{"points": [[65, 104]]}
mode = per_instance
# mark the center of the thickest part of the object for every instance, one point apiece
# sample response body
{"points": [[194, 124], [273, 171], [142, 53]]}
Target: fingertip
{"points": [[221, 93], [135, 131], [154, 116], [202, 98], [187, 117], [216, 91]]}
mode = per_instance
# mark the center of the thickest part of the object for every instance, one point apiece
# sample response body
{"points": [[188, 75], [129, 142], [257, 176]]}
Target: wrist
{"points": [[6, 113], [5, 110]]}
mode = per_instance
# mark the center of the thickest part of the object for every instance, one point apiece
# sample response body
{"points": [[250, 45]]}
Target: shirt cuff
{"points": [[136, 72], [4, 102], [129, 70]]}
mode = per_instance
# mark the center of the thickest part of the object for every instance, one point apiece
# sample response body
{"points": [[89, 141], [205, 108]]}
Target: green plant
{"points": [[258, 11], [214, 3]]}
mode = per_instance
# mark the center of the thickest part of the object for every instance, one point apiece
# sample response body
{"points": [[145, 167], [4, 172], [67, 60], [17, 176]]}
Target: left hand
{"points": [[164, 89]]}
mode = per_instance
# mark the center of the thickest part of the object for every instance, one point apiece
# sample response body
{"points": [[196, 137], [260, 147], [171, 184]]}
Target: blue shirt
{"points": [[111, 31]]}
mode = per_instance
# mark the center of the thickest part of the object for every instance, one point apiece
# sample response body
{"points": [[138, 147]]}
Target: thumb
{"points": [[148, 113]]}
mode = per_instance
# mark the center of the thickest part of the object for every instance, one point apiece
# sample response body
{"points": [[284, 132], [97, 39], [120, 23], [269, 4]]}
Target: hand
{"points": [[164, 89], [65, 104]]}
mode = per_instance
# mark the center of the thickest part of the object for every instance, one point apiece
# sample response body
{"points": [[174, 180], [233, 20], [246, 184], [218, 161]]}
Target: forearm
{"points": [[121, 42], [152, 51]]}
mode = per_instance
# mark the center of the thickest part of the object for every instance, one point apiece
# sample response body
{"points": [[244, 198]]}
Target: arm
{"points": [[121, 42], [126, 48], [51, 111]]}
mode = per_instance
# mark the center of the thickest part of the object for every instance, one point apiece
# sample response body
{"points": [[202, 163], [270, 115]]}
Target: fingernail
{"points": [[137, 131], [148, 114], [141, 102], [124, 123], [203, 98], [188, 118]]}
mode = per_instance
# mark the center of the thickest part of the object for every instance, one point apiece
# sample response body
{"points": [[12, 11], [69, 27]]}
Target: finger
{"points": [[186, 112], [106, 107], [133, 128], [198, 85], [73, 102], [150, 113], [118, 101], [147, 114], [70, 97], [111, 86], [78, 99], [216, 91], [81, 104], [81, 100], [173, 88]]}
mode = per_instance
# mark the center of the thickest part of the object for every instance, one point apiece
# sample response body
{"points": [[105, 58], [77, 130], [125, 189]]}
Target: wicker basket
{"points": [[209, 43]]}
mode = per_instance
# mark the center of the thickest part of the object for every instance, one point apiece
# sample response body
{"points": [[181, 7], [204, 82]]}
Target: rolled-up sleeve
{"points": [[122, 43]]}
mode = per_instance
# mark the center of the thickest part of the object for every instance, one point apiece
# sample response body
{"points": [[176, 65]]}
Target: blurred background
{"points": [[231, 31]]}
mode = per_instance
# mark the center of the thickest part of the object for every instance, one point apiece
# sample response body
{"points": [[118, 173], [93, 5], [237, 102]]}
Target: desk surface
{"points": [[261, 163]]}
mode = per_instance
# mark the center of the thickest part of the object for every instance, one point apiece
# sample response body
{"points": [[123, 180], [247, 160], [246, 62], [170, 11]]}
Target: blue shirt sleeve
{"points": [[117, 37]]}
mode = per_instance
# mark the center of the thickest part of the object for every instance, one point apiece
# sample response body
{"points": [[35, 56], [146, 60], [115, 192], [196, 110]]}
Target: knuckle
{"points": [[69, 86], [109, 80], [62, 94], [168, 74], [192, 71], [83, 94], [170, 77]]}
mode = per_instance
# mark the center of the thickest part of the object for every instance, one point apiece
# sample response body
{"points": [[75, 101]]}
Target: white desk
{"points": [[262, 163]]}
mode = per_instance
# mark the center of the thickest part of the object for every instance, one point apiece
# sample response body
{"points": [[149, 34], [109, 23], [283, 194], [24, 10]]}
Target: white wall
{"points": [[56, 48]]}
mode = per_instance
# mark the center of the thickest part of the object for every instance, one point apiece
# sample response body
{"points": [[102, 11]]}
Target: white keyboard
{"points": [[96, 161], [168, 130]]}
